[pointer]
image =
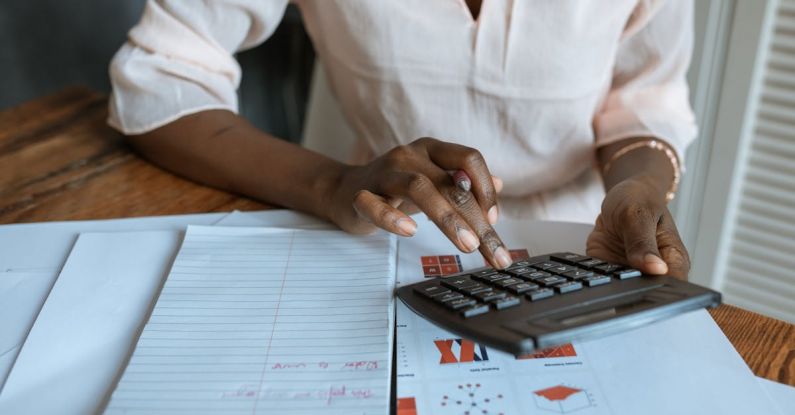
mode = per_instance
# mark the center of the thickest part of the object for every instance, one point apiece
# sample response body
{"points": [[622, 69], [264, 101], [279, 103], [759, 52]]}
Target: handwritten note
{"points": [[252, 320]]}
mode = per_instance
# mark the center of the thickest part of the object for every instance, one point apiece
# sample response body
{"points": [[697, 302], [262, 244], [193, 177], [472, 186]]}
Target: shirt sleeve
{"points": [[178, 59], [649, 95]]}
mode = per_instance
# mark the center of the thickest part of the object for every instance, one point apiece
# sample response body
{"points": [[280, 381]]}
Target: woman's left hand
{"points": [[635, 228]]}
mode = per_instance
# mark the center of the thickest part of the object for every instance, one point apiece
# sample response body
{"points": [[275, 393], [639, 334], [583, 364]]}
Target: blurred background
{"points": [[736, 205]]}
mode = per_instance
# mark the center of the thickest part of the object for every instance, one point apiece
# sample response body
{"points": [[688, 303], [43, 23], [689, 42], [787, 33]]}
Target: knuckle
{"points": [[417, 183], [424, 141], [360, 197], [488, 237], [398, 156], [473, 158], [459, 197], [448, 220]]}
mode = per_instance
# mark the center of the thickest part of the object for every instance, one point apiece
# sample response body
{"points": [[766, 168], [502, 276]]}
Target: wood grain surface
{"points": [[60, 161]]}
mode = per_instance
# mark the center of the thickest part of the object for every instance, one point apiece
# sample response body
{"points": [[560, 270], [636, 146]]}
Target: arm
{"points": [[648, 100], [174, 97], [221, 149]]}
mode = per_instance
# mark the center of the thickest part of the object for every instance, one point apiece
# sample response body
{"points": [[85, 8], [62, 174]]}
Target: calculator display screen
{"points": [[604, 313]]}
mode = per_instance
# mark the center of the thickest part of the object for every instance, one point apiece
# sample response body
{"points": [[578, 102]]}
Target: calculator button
{"points": [[553, 280], [506, 302], [489, 296], [535, 275], [458, 283], [483, 272], [521, 270], [450, 296], [474, 289], [607, 268], [596, 280], [521, 288], [431, 291], [578, 274], [627, 273], [568, 257], [568, 287], [460, 303], [492, 278], [475, 310], [539, 294], [519, 264], [590, 263], [561, 269], [508, 282], [547, 265]]}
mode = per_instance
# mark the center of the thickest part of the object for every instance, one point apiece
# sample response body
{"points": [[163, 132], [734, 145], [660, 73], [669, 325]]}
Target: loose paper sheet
{"points": [[267, 321], [86, 327], [31, 256]]}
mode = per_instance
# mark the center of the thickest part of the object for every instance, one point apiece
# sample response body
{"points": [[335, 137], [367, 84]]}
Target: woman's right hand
{"points": [[414, 178]]}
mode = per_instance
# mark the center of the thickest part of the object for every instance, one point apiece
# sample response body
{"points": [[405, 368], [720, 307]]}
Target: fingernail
{"points": [[493, 215], [467, 239], [502, 257], [655, 264], [406, 226]]}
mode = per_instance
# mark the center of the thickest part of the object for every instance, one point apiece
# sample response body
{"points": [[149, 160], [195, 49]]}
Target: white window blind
{"points": [[760, 265]]}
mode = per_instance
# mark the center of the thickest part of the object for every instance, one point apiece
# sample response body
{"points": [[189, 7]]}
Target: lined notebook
{"points": [[264, 321]]}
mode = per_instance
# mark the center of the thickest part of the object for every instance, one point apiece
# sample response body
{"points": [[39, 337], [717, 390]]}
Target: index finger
{"points": [[491, 246], [451, 156]]}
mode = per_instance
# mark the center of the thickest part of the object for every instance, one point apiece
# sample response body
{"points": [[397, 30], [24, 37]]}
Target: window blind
{"points": [[760, 267]]}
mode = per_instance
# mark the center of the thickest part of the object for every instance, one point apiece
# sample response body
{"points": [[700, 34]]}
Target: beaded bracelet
{"points": [[657, 145]]}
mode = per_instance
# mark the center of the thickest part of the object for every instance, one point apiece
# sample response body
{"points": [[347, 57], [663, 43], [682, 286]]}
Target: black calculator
{"points": [[550, 300]]}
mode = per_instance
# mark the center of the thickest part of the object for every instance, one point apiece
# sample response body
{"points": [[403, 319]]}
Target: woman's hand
{"points": [[635, 228], [415, 178]]}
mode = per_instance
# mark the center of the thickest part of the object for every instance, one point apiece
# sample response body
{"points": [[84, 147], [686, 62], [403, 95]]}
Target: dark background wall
{"points": [[46, 45]]}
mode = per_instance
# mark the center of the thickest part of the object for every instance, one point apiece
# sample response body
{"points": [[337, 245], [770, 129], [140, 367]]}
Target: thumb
{"points": [[640, 244]]}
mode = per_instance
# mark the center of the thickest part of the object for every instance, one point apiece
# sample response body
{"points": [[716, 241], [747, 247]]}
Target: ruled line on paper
{"points": [[267, 321]]}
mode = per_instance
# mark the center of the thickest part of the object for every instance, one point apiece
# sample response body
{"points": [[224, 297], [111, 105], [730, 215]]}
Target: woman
{"points": [[579, 108]]}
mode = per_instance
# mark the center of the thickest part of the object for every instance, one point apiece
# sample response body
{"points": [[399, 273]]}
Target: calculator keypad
{"points": [[481, 291]]}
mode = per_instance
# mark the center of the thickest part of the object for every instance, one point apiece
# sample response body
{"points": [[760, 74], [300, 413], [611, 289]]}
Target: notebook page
{"points": [[260, 321]]}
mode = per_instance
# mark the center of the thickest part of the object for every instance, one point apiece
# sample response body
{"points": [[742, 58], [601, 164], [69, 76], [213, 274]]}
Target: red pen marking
{"points": [[279, 366], [328, 395], [361, 365]]}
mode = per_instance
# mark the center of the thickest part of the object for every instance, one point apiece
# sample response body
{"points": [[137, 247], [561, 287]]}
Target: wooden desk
{"points": [[60, 161]]}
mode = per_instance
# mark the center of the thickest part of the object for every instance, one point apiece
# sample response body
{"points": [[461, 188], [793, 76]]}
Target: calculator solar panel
{"points": [[550, 300]]}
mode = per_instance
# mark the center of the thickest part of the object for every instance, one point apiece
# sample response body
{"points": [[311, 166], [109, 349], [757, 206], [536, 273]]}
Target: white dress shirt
{"points": [[535, 85]]}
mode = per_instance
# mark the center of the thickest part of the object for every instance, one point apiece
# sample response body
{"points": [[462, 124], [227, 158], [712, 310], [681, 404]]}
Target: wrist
{"points": [[652, 185], [647, 161], [326, 187]]}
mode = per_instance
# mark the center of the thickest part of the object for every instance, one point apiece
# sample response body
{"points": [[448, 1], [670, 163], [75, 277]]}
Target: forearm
{"points": [[650, 165], [221, 149]]}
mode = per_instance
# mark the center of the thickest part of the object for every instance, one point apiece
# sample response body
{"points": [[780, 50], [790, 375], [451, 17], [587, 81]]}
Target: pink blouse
{"points": [[535, 85]]}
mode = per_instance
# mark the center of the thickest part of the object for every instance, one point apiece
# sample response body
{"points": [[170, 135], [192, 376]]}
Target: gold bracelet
{"points": [[657, 145]]}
